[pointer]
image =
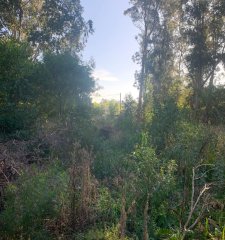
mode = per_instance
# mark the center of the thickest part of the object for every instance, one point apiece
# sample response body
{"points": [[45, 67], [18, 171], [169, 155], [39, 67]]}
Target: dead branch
{"points": [[194, 203]]}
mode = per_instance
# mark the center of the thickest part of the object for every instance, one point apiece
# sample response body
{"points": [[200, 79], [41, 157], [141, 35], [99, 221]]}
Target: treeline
{"points": [[153, 169], [181, 46]]}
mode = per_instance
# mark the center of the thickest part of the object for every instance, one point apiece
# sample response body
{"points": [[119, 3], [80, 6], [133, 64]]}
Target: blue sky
{"points": [[111, 46]]}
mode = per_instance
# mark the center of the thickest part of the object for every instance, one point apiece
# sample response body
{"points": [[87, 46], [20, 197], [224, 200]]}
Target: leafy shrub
{"points": [[165, 117], [108, 208], [30, 203], [111, 233]]}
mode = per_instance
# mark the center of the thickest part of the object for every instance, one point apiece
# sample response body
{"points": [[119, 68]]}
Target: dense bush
{"points": [[31, 203], [17, 97]]}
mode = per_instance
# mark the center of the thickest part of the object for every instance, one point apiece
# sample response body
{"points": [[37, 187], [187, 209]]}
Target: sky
{"points": [[111, 46]]}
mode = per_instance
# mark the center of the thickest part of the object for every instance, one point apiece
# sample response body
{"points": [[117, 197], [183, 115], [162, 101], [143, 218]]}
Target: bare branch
{"points": [[195, 203]]}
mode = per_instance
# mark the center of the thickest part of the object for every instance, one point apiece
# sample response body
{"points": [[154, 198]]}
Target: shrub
{"points": [[36, 198], [111, 233]]}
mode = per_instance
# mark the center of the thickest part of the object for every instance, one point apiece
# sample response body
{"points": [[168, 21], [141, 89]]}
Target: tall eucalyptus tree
{"points": [[204, 32], [154, 19]]}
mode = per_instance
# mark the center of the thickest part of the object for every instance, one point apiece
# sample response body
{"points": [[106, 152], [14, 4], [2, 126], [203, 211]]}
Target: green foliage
{"points": [[64, 84], [58, 87], [112, 151], [108, 208], [153, 177], [62, 26], [48, 25], [147, 161], [108, 159], [30, 203], [106, 112], [163, 124], [127, 125], [223, 233], [204, 34], [111, 233], [188, 142], [211, 109], [151, 172], [17, 99]]}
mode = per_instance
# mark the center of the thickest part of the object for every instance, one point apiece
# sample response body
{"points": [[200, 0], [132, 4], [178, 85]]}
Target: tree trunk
{"points": [[145, 234], [123, 218], [143, 74]]}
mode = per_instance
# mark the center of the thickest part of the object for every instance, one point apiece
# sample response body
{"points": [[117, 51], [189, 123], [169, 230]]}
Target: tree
{"points": [[151, 181], [144, 14], [47, 24], [61, 26], [57, 87], [11, 18], [64, 83], [17, 100], [205, 33], [153, 18]]}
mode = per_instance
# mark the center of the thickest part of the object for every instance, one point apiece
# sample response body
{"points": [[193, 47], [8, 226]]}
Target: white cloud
{"points": [[104, 75], [112, 86]]}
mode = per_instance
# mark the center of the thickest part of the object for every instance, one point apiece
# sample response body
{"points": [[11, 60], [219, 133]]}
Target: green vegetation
{"points": [[73, 169]]}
